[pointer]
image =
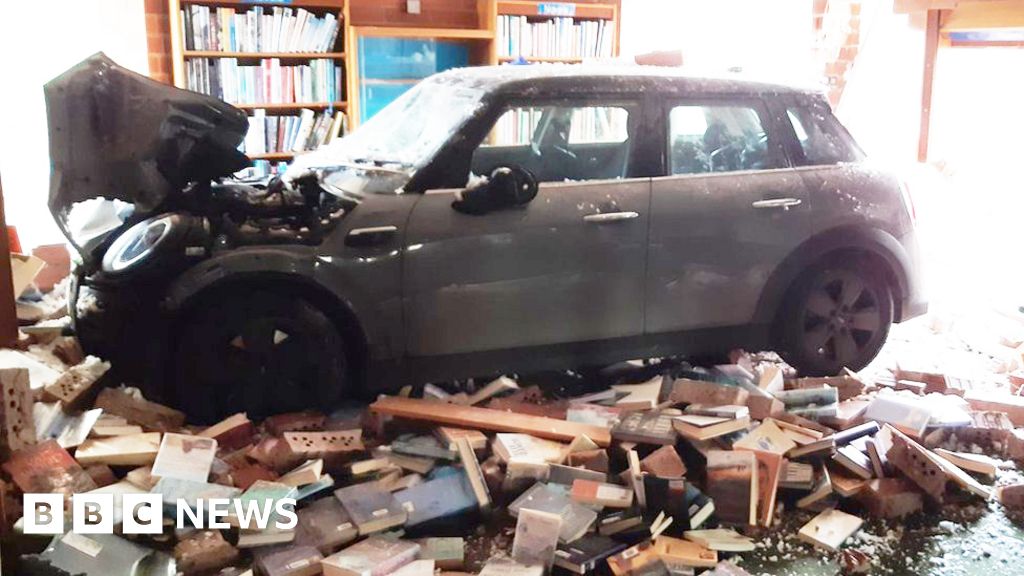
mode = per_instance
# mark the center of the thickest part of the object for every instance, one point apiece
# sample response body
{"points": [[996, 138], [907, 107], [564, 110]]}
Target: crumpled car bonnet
{"points": [[118, 135]]}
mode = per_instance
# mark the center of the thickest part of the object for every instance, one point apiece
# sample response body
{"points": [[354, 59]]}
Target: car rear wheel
{"points": [[836, 316], [260, 353]]}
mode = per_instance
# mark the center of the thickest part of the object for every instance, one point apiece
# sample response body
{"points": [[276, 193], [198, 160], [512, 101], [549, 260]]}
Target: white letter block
{"points": [[44, 513], [92, 513], [142, 513]]}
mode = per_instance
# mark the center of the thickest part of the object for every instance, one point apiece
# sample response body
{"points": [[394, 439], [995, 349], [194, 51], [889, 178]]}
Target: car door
{"points": [[567, 267], [728, 210]]}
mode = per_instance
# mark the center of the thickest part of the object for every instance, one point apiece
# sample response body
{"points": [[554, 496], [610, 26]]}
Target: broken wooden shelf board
{"points": [[487, 419]]}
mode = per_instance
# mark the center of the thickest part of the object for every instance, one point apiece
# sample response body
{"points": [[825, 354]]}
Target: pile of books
{"points": [[307, 131], [270, 29], [268, 83], [554, 38]]}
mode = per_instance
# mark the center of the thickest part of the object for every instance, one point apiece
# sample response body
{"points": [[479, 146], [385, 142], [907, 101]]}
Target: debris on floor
{"points": [[697, 470]]}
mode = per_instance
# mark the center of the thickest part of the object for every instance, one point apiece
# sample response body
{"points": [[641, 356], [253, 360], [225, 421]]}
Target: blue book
{"points": [[443, 497]]}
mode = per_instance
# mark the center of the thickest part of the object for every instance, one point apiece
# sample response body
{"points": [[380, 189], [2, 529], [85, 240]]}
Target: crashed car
{"points": [[491, 219]]}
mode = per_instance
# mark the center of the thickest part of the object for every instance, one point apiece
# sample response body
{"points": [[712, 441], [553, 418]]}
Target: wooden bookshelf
{"points": [[338, 53], [483, 42], [539, 11]]}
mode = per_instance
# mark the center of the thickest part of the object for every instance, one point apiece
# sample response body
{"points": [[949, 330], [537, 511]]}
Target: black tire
{"points": [[837, 315], [261, 353]]}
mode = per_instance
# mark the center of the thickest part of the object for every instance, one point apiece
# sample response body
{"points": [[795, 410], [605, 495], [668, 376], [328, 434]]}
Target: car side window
{"points": [[719, 138], [823, 141], [560, 142]]}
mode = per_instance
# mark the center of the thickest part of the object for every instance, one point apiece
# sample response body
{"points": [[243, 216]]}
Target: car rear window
{"points": [[823, 140], [719, 138]]}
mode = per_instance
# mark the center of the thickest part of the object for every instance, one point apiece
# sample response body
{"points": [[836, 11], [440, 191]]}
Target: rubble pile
{"points": [[675, 469]]}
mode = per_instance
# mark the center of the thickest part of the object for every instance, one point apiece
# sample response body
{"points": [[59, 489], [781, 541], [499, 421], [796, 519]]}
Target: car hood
{"points": [[117, 135]]}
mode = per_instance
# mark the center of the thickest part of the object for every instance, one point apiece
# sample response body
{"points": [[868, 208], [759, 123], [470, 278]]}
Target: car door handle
{"points": [[610, 217], [363, 237], [784, 203]]}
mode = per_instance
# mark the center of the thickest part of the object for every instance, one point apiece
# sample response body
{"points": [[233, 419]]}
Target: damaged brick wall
{"points": [[837, 41], [158, 40]]}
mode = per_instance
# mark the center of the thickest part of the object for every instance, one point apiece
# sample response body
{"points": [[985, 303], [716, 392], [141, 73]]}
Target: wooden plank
{"points": [[278, 55], [440, 33], [989, 15], [487, 419], [931, 50], [8, 313], [531, 8]]}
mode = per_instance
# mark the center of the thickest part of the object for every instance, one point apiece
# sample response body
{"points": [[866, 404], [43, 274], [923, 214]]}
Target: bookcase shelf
{"points": [[541, 60], [291, 105], [274, 156], [364, 85], [257, 55], [583, 11], [268, 50]]}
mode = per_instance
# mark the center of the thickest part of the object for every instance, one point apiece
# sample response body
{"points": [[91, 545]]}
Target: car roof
{"points": [[557, 79]]}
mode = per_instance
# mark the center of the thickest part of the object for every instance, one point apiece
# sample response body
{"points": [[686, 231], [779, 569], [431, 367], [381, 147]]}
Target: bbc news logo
{"points": [[144, 513]]}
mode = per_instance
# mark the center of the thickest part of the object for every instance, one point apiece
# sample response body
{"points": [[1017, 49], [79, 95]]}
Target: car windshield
{"points": [[386, 151]]}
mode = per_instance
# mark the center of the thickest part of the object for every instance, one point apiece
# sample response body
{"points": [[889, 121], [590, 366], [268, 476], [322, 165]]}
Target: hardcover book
{"points": [[583, 556], [444, 497], [732, 482], [370, 508], [375, 556]]}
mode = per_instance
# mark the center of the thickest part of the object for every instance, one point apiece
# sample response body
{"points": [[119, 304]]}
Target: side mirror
{"points": [[507, 187]]}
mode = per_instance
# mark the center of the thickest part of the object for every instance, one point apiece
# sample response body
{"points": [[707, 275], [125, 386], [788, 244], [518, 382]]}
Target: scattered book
{"points": [[449, 436], [978, 463], [576, 518], [797, 475], [830, 529], [471, 466], [767, 437], [536, 537], [371, 509], [423, 446], [822, 490], [134, 450], [506, 567], [602, 494], [700, 427], [524, 447], [854, 461], [325, 525], [617, 521], [583, 556], [186, 457], [307, 473], [645, 428], [684, 552], [445, 497], [721, 540], [374, 556], [906, 414], [732, 482]]}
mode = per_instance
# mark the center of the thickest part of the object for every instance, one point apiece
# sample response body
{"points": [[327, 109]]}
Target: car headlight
{"points": [[149, 240]]}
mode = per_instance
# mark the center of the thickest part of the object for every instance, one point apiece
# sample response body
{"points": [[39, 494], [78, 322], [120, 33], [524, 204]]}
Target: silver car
{"points": [[493, 219]]}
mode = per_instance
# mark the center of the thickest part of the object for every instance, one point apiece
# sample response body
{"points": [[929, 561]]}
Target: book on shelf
{"points": [[260, 29], [266, 83], [554, 38], [287, 134]]}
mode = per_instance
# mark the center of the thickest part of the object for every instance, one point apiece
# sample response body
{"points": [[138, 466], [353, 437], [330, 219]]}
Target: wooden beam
{"points": [[8, 313], [931, 49], [487, 419]]}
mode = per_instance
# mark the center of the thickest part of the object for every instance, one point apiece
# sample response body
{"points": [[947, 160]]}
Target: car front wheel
{"points": [[837, 316], [261, 353]]}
